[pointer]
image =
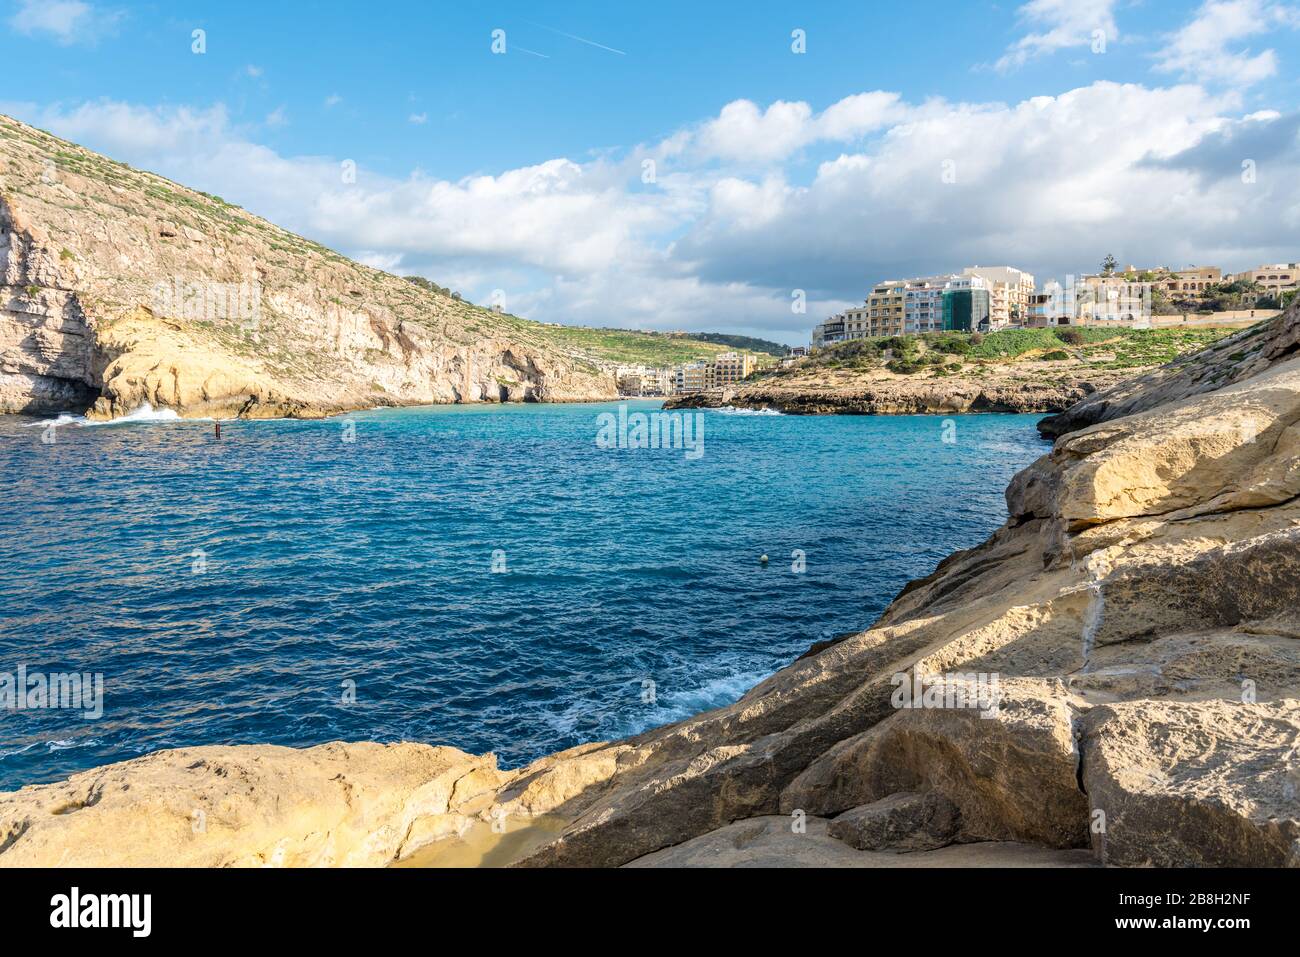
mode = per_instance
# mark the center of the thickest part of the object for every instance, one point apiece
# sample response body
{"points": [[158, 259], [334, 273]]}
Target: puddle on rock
{"points": [[481, 846]]}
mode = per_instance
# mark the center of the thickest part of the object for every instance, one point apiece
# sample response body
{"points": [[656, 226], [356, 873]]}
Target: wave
{"points": [[145, 413], [733, 410]]}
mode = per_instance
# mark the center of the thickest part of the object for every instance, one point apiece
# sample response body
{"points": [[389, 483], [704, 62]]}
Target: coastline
{"points": [[1183, 479], [944, 397]]}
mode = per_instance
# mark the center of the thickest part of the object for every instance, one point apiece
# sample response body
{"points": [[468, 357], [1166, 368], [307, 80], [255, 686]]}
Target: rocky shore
{"points": [[900, 396], [1112, 678]]}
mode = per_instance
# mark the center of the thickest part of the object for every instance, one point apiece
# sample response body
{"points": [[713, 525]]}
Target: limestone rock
{"points": [[1010, 771], [1195, 784], [255, 805], [904, 821], [1235, 359], [772, 842]]}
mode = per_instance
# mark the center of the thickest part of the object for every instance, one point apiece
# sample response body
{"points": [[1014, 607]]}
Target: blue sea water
{"points": [[235, 591]]}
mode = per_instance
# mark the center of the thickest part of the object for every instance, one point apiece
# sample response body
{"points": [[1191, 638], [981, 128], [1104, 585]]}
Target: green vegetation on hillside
{"points": [[945, 353], [742, 343], [635, 347]]}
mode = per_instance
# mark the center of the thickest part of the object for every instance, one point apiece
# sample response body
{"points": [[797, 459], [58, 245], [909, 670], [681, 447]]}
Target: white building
{"points": [[1010, 292]]}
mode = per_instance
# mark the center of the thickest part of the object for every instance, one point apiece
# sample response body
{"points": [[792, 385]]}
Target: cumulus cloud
{"points": [[1208, 47], [746, 134], [727, 229], [67, 21], [1060, 25]]}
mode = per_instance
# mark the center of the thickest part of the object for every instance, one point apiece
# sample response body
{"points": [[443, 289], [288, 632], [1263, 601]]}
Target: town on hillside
{"points": [[982, 299], [991, 298]]}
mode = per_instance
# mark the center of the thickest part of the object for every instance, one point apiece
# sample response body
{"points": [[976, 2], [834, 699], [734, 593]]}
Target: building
{"points": [[691, 377], [643, 380], [883, 312], [1112, 298], [923, 303], [729, 368], [1091, 299], [967, 306], [829, 332], [1010, 291], [1274, 280]]}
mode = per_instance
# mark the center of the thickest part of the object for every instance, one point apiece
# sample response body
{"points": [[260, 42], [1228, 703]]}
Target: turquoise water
{"points": [[235, 591]]}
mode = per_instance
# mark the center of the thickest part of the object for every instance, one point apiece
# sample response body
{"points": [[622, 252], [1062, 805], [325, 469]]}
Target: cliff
{"points": [[1114, 676], [119, 287]]}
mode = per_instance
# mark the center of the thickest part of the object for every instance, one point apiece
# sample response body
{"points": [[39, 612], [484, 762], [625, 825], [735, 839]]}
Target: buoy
{"points": [[763, 559]]}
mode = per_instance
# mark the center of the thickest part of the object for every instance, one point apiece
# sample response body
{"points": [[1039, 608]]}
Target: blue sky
{"points": [[1074, 128]]}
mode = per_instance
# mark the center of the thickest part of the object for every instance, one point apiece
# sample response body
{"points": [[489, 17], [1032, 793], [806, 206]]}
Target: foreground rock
{"points": [[1116, 671], [119, 287], [772, 842], [1200, 785], [256, 805]]}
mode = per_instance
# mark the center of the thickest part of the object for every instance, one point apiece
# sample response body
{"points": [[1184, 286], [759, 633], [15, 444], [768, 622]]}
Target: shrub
{"points": [[1057, 355], [1071, 337]]}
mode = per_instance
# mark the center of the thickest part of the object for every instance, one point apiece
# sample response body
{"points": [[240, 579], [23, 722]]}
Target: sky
{"points": [[726, 167]]}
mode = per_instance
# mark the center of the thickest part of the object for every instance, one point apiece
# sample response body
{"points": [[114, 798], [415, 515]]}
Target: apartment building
{"points": [[691, 377], [884, 311], [830, 331], [923, 302], [967, 305], [1010, 291], [729, 368]]}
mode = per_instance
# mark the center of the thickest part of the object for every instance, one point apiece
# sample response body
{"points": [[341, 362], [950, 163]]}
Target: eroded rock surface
{"points": [[253, 805]]}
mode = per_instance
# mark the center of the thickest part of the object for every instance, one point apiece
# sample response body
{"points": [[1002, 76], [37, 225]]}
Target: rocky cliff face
{"points": [[900, 396], [120, 287], [1115, 672]]}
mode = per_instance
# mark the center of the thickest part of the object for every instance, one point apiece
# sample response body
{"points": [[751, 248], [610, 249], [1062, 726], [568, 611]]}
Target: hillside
{"points": [[656, 349], [119, 287], [1015, 370]]}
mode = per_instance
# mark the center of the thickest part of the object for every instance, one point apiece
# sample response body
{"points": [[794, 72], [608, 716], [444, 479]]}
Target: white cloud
{"points": [[68, 21], [1206, 47], [1062, 24], [418, 119], [277, 118], [332, 101], [742, 133]]}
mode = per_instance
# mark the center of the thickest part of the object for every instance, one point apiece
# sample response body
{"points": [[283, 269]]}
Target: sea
{"points": [[509, 578]]}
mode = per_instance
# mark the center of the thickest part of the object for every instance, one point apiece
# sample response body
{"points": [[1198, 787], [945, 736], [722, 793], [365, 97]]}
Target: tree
{"points": [[1108, 265]]}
